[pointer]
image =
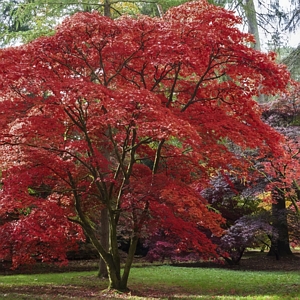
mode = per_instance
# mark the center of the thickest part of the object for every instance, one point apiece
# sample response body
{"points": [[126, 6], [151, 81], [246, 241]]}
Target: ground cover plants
{"points": [[258, 277]]}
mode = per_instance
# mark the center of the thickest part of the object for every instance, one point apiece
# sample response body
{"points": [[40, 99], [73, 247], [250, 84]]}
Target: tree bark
{"points": [[107, 8], [250, 12], [116, 281], [129, 260], [280, 246], [111, 261], [104, 239]]}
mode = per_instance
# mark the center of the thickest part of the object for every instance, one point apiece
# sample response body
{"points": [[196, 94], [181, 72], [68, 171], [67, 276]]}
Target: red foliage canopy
{"points": [[85, 109]]}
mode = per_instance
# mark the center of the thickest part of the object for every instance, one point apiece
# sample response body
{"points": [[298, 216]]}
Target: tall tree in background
{"points": [[95, 101], [293, 21], [160, 7], [25, 20], [251, 16], [283, 173], [273, 18], [293, 24], [292, 60], [263, 18]]}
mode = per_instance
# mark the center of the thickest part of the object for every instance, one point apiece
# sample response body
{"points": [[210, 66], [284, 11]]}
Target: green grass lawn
{"points": [[157, 282]]}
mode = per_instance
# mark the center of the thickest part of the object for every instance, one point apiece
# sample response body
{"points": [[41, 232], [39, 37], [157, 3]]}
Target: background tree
{"points": [[160, 7], [291, 24], [294, 15], [283, 172], [25, 20], [241, 202], [264, 18], [291, 59]]}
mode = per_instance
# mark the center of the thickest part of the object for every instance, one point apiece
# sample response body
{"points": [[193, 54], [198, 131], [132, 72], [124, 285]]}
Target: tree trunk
{"points": [[113, 266], [160, 10], [114, 275], [116, 281], [104, 240], [250, 12], [280, 246], [129, 260], [107, 9]]}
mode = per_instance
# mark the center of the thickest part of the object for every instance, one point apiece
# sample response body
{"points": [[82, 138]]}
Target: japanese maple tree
{"points": [[129, 117], [239, 202]]}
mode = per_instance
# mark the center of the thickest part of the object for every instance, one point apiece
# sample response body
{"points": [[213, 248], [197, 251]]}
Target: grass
{"points": [[158, 282], [202, 283]]}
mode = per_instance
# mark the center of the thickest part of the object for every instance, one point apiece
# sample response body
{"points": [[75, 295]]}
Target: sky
{"points": [[294, 38]]}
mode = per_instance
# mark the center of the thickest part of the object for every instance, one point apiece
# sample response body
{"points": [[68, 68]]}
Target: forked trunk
{"points": [[111, 257], [114, 278], [116, 281]]}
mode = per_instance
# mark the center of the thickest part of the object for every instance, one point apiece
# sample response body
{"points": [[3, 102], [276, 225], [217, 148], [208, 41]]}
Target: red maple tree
{"points": [[129, 117]]}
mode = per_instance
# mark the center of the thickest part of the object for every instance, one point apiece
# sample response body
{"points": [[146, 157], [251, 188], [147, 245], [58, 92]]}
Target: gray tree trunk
{"points": [[107, 8], [250, 12]]}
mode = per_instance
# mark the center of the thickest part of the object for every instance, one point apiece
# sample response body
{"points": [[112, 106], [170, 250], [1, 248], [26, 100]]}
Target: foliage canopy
{"points": [[84, 110]]}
